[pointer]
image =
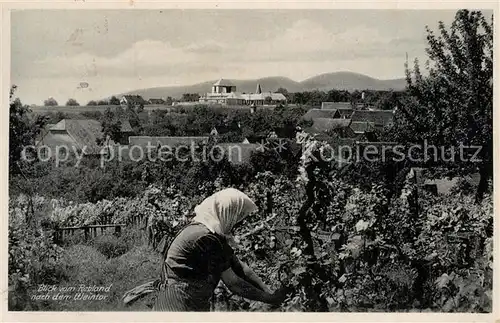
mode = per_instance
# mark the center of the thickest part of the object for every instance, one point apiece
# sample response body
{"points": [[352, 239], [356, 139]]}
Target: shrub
{"points": [[33, 260], [110, 246]]}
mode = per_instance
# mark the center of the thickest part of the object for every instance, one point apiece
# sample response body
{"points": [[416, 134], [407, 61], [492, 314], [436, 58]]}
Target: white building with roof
{"points": [[224, 92]]}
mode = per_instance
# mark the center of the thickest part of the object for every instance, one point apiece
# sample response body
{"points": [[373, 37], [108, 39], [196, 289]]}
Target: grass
{"points": [[120, 263], [86, 266]]}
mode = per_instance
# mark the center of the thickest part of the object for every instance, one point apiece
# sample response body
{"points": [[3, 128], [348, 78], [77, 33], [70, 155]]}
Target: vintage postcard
{"points": [[258, 160]]}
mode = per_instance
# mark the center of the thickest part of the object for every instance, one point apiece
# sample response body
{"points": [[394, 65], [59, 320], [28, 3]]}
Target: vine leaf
{"points": [[299, 270], [443, 280]]}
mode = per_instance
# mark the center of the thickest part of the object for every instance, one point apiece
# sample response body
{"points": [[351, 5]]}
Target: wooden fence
{"points": [[138, 220], [90, 231]]}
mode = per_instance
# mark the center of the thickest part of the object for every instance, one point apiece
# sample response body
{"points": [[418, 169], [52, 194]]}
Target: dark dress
{"points": [[192, 269]]}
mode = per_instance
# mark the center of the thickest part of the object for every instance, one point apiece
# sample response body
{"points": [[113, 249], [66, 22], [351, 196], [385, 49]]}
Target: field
{"points": [[89, 108]]}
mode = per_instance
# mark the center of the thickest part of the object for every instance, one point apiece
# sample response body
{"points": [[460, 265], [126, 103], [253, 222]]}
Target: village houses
{"points": [[82, 135]]}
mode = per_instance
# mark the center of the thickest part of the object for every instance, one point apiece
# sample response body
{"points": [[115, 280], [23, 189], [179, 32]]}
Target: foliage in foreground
{"points": [[369, 253]]}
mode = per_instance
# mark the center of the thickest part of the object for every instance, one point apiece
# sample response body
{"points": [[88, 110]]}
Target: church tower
{"points": [[258, 90]]}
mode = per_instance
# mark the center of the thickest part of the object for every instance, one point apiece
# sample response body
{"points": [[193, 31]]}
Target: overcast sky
{"points": [[117, 51]]}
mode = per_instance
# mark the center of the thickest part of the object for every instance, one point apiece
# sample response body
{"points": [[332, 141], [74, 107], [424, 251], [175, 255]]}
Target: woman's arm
{"points": [[243, 288], [245, 272]]}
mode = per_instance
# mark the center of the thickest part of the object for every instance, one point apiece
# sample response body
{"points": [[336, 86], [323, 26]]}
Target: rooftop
{"points": [[143, 141], [264, 95], [136, 99], [326, 124], [319, 113], [156, 101], [82, 133], [223, 82], [336, 105], [125, 126], [362, 126], [378, 117]]}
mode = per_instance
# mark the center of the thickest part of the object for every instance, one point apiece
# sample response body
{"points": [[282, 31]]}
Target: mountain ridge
{"points": [[336, 80]]}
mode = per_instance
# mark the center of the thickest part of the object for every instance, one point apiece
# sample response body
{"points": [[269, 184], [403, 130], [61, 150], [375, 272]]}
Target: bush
{"points": [[110, 246], [33, 260], [132, 237]]}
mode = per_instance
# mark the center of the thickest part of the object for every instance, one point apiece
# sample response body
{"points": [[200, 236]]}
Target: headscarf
{"points": [[221, 211]]}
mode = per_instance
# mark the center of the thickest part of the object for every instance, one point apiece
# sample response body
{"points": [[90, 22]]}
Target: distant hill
{"points": [[338, 80], [351, 81]]}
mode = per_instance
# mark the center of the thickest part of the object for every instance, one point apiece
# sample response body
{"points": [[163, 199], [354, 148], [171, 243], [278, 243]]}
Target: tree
{"points": [[111, 126], [355, 97], [388, 100], [168, 101], [55, 117], [453, 105], [268, 100], [190, 97], [131, 115], [114, 101], [23, 130], [284, 91], [92, 103], [334, 96], [102, 102], [72, 102], [50, 102]]}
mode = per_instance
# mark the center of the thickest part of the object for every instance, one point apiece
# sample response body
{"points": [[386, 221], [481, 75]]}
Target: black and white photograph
{"points": [[250, 160]]}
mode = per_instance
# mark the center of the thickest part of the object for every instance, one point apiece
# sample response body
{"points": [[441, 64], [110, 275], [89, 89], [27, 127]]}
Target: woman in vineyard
{"points": [[200, 256]]}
